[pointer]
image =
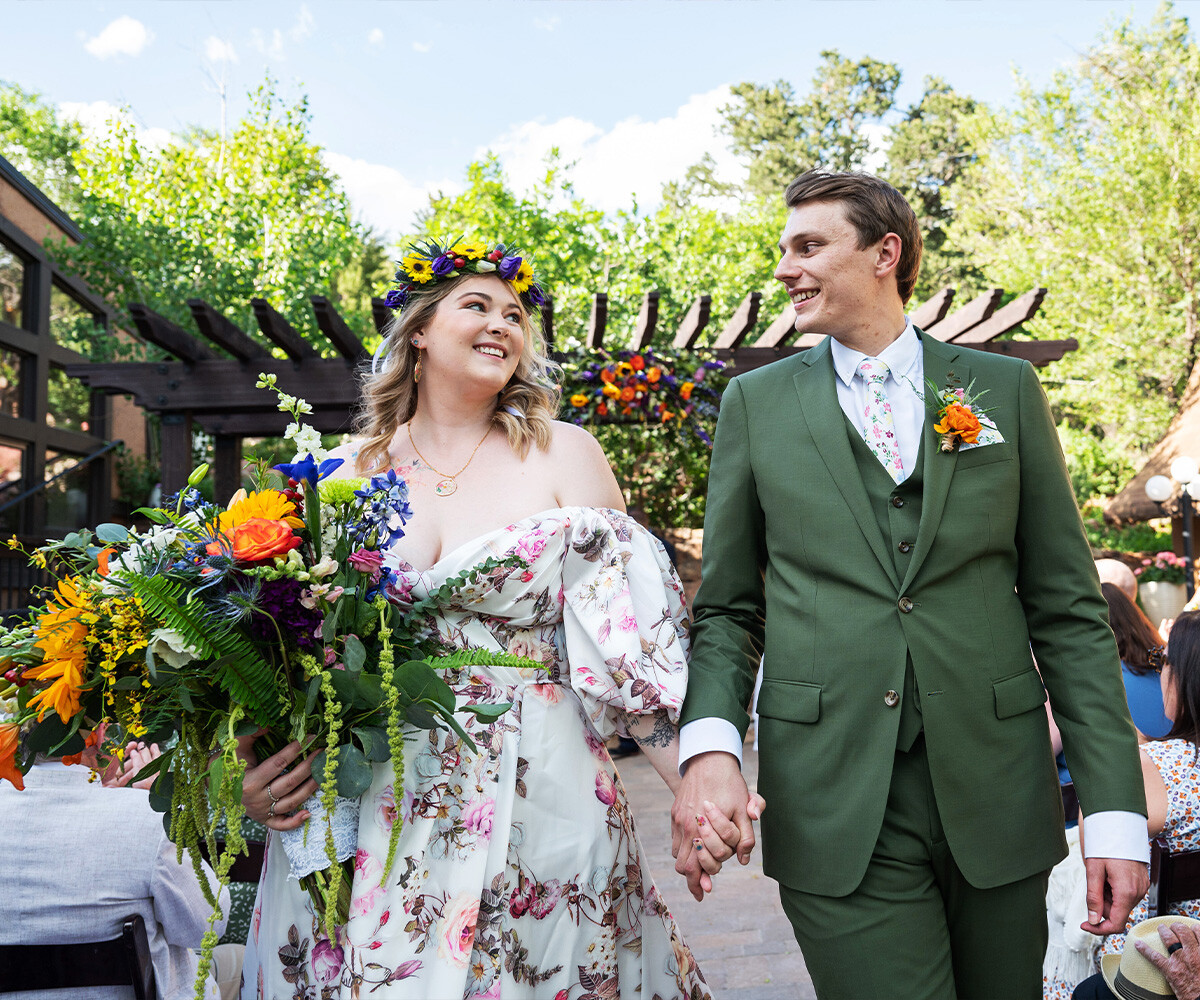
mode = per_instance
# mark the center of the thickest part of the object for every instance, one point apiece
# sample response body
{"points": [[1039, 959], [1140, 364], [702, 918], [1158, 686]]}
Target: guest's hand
{"points": [[1114, 887], [712, 788], [274, 791], [1182, 965], [137, 756]]}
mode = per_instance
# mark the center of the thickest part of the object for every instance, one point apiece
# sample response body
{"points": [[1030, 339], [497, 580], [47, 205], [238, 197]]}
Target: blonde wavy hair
{"points": [[525, 407]]}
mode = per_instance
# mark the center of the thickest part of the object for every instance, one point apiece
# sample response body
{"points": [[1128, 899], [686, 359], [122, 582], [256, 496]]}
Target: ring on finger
{"points": [[271, 811], [271, 796], [1173, 947]]}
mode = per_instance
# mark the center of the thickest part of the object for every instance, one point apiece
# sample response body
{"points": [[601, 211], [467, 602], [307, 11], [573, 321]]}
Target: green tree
{"points": [[1091, 187], [38, 144]]}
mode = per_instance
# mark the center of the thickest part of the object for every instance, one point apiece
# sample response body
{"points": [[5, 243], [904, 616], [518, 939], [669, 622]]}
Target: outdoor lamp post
{"points": [[1186, 473]]}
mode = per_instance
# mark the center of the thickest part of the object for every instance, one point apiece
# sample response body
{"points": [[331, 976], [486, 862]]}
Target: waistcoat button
{"points": [[891, 699], [906, 604]]}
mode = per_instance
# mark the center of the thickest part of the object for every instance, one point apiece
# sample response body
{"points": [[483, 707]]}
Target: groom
{"points": [[894, 576]]}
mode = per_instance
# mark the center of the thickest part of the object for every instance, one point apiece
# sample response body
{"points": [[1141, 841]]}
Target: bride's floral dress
{"points": [[518, 874]]}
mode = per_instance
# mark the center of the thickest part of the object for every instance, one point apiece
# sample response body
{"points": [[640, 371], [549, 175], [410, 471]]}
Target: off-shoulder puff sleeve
{"points": [[624, 621]]}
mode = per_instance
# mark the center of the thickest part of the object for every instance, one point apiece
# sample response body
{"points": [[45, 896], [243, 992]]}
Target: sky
{"points": [[404, 94]]}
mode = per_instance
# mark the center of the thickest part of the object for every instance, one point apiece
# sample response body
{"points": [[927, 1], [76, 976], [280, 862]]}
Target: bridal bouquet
{"points": [[271, 615]]}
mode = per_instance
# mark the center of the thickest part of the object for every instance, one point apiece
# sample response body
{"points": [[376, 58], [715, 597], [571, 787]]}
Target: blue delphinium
{"points": [[385, 509]]}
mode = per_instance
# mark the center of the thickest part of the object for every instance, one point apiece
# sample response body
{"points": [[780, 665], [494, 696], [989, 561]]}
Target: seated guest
{"points": [[1140, 648], [1119, 575], [79, 858]]}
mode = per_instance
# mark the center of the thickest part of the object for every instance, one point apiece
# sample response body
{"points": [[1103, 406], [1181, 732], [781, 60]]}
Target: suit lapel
{"points": [[941, 361], [827, 425]]}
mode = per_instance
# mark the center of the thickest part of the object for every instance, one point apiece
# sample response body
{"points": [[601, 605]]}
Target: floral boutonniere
{"points": [[962, 421]]}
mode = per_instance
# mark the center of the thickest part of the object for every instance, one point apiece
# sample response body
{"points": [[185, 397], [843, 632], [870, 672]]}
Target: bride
{"points": [[518, 874]]}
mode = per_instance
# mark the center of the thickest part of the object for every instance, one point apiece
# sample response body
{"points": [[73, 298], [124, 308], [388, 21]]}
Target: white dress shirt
{"points": [[1110, 834]]}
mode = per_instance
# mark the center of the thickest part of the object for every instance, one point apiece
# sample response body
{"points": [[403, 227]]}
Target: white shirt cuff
{"points": [[703, 735], [1116, 834]]}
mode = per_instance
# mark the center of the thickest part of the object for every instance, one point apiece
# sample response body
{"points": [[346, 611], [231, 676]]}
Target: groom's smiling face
{"points": [[833, 283]]}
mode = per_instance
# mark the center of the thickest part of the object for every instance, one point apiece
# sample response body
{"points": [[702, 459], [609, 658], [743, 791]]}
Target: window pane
{"points": [[71, 324], [12, 287], [70, 402], [67, 497], [10, 383], [12, 484]]}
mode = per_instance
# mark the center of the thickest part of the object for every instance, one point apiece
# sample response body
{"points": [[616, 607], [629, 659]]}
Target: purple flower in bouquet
{"points": [[308, 469], [280, 599], [508, 267]]}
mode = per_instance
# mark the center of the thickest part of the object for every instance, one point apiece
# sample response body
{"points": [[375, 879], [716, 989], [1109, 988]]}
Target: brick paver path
{"points": [[739, 934]]}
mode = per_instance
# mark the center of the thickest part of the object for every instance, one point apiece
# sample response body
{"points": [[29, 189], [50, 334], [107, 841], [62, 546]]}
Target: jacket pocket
{"points": [[1017, 694], [791, 701], [985, 454]]}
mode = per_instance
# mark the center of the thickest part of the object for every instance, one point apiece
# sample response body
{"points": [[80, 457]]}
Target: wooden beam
{"points": [[740, 323], [1003, 320], [280, 332], [381, 315], [330, 322], [643, 330], [227, 466], [972, 314], [932, 310], [161, 332], [782, 329], [693, 323], [217, 328], [1037, 352], [597, 321], [176, 450], [326, 421], [547, 316]]}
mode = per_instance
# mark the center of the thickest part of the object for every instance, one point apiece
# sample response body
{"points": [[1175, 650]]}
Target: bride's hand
{"points": [[271, 793], [719, 837]]}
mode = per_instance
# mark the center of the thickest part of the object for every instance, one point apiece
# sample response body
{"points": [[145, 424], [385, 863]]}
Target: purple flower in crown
{"points": [[443, 265], [396, 298], [535, 296], [508, 267]]}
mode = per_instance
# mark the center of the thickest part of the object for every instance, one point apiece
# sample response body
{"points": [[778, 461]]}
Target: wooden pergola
{"points": [[211, 381]]}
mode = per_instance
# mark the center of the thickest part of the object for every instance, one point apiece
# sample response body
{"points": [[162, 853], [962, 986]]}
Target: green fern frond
{"points": [[166, 601], [247, 677], [478, 657]]}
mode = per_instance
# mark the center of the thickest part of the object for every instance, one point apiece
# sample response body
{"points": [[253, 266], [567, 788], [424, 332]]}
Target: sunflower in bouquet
{"points": [[273, 616]]}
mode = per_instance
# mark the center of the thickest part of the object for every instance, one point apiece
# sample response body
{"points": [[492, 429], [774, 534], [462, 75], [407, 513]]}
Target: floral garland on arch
{"points": [[680, 390], [273, 614]]}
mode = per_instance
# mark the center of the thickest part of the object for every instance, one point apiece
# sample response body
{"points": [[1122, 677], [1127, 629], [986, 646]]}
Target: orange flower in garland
{"points": [[653, 374], [637, 362], [685, 390], [627, 394], [62, 634], [8, 756]]}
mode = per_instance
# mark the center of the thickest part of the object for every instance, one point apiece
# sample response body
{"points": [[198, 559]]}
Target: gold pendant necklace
{"points": [[447, 485]]}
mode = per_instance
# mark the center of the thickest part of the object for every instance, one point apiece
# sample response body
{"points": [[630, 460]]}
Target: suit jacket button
{"points": [[897, 501], [891, 699], [906, 604], [905, 547]]}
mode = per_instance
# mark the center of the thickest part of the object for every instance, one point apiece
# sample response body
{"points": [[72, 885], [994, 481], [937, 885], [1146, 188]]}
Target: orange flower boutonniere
{"points": [[961, 419]]}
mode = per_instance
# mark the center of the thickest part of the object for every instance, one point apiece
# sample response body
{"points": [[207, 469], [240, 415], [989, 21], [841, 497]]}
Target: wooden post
{"points": [[597, 321], [781, 330], [740, 323], [693, 323], [932, 310], [643, 331], [176, 451], [972, 314], [227, 466]]}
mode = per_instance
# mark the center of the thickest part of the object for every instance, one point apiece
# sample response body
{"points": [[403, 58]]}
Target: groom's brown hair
{"points": [[874, 208]]}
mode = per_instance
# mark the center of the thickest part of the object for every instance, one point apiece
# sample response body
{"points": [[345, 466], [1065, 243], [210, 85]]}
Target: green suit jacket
{"points": [[796, 570]]}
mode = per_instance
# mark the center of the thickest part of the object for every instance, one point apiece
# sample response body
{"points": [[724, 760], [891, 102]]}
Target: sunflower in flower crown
{"points": [[431, 261]]}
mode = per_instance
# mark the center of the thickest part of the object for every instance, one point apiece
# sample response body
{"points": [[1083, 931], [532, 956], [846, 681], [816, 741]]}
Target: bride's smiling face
{"points": [[475, 334]]}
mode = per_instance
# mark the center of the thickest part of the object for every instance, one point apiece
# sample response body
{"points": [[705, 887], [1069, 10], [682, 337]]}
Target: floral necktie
{"points": [[879, 428]]}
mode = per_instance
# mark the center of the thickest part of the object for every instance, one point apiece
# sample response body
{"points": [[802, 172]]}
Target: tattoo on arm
{"points": [[662, 734]]}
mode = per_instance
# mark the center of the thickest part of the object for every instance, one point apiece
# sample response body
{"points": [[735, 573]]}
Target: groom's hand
{"points": [[1114, 887], [714, 778]]}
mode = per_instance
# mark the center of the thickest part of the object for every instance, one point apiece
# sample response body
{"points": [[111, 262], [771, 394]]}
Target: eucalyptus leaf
{"points": [[127, 683], [368, 692], [317, 767], [374, 743], [310, 702], [353, 772], [354, 656], [487, 712], [109, 532], [420, 717], [417, 679]]}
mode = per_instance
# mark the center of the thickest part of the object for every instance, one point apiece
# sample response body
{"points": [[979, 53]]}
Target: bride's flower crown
{"points": [[429, 261]]}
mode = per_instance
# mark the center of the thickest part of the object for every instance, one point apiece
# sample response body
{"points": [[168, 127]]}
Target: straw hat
{"points": [[1131, 975]]}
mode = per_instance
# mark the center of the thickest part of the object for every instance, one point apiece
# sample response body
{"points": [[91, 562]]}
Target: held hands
{"points": [[271, 793], [712, 819], [1114, 886], [137, 756]]}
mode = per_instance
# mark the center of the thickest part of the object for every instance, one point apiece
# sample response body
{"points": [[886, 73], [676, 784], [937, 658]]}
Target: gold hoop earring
{"points": [[417, 369]]}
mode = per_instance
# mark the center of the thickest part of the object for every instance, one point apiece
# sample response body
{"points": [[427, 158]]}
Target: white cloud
{"points": [[125, 36], [632, 159], [272, 49], [375, 37], [422, 46], [304, 24], [218, 50], [381, 195], [547, 23], [97, 117]]}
